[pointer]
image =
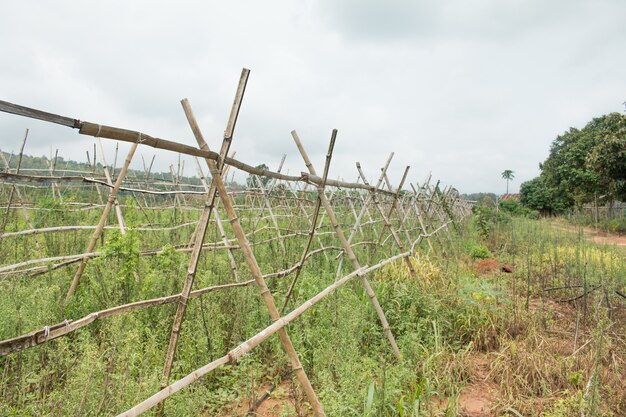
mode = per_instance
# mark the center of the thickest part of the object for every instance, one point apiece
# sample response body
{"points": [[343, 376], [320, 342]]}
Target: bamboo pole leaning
{"points": [[109, 182], [126, 135], [103, 220], [200, 233], [266, 295], [351, 255], [234, 354], [314, 226], [386, 223], [51, 332]]}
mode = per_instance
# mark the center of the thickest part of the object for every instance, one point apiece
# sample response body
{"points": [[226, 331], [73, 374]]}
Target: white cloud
{"points": [[462, 89]]}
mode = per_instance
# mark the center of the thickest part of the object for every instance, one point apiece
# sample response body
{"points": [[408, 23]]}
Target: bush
{"points": [[477, 251], [516, 209]]}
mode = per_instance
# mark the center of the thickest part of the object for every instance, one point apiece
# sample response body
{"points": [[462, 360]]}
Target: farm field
{"points": [[313, 209], [501, 315]]}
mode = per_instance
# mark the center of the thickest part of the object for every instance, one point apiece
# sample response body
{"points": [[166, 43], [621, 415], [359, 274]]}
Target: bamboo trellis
{"points": [[397, 218]]}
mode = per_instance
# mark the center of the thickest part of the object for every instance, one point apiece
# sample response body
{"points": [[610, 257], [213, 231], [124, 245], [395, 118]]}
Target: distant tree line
{"points": [[582, 165]]}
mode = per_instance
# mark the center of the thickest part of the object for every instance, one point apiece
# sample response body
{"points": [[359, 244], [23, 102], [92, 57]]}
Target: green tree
{"points": [[608, 156], [582, 163], [538, 195], [508, 175], [251, 182]]}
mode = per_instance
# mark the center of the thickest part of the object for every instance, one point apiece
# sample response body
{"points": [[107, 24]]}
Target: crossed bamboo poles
{"points": [[216, 163]]}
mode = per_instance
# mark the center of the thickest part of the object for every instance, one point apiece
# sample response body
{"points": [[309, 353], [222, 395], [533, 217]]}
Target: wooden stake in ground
{"points": [[19, 197], [316, 211], [349, 251], [103, 220], [199, 234], [386, 221], [105, 169], [252, 263]]}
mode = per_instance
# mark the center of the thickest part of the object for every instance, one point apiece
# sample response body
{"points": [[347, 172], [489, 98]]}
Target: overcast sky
{"points": [[462, 89]]}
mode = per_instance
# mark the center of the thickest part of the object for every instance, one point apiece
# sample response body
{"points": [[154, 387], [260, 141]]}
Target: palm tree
{"points": [[508, 175]]}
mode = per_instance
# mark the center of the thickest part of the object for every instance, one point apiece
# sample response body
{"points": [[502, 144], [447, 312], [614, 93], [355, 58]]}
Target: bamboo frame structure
{"points": [[285, 199], [105, 214], [348, 249]]}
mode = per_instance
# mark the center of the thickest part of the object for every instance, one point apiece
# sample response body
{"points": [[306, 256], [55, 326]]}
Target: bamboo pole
{"points": [[38, 337], [105, 169], [420, 219], [126, 135], [350, 252], [234, 354], [13, 188], [387, 223], [199, 234], [252, 263], [19, 197], [394, 202], [364, 209], [314, 226], [266, 203], [231, 258], [103, 219]]}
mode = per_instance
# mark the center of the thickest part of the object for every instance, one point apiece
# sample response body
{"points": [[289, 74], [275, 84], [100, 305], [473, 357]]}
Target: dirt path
{"points": [[591, 234]]}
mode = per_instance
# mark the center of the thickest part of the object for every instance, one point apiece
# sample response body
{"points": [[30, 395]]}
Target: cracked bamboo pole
{"points": [[348, 249], [248, 254], [103, 219]]}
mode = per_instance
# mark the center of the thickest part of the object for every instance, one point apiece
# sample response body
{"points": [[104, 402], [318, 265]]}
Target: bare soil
{"points": [[591, 234]]}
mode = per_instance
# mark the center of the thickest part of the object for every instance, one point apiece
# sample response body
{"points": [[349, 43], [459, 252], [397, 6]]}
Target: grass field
{"points": [[545, 338]]}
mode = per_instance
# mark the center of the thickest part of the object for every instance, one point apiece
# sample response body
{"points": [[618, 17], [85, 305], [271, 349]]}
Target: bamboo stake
{"points": [[93, 172], [420, 219], [38, 337], [349, 251], [316, 211], [199, 234], [220, 226], [266, 203], [251, 260], [387, 223], [234, 354], [102, 222], [394, 202], [13, 189], [19, 196], [105, 169]]}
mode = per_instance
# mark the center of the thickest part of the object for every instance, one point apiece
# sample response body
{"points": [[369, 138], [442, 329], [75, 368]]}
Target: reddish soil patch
{"points": [[279, 402], [475, 399], [592, 234], [486, 266]]}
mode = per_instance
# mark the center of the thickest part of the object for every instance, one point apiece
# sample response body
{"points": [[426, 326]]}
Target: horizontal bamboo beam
{"points": [[234, 354], [49, 333], [126, 135]]}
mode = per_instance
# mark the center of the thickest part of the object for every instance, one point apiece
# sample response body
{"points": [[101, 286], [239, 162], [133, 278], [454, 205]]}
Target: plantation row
{"points": [[70, 272]]}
